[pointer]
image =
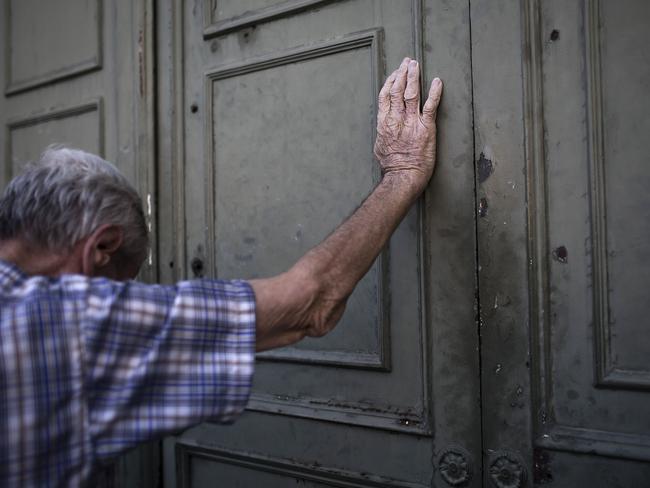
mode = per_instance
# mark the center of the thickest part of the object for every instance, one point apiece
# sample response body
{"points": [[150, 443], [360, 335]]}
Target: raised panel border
{"points": [[548, 433], [333, 358], [607, 374], [290, 468], [65, 72], [95, 105], [359, 414], [365, 39], [214, 27]]}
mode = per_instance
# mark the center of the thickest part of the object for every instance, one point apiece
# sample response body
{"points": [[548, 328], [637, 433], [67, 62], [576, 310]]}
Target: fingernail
{"points": [[436, 81], [412, 64]]}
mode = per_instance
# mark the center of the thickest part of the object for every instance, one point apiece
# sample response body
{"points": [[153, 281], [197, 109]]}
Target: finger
{"points": [[412, 91], [431, 105], [384, 98], [397, 90]]}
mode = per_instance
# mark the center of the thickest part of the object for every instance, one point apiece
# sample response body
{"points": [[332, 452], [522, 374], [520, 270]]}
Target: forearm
{"points": [[342, 259], [310, 298]]}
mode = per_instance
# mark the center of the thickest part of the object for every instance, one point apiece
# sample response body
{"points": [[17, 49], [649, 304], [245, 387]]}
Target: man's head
{"points": [[80, 211]]}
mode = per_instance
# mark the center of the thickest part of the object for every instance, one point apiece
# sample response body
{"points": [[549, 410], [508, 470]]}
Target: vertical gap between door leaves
{"points": [[476, 243]]}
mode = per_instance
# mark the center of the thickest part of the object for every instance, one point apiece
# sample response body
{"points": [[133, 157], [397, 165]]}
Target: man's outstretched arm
{"points": [[309, 299]]}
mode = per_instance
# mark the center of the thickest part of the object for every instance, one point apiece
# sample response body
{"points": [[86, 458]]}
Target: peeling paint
{"points": [[560, 254], [485, 168], [407, 416], [483, 207]]}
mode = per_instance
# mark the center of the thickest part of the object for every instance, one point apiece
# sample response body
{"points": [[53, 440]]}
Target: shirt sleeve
{"points": [[159, 359]]}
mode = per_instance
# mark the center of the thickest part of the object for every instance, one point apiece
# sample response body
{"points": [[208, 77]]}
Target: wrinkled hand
{"points": [[406, 138]]}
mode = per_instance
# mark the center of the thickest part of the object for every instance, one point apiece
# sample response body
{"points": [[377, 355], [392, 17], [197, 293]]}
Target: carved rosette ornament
{"points": [[507, 472], [454, 467]]}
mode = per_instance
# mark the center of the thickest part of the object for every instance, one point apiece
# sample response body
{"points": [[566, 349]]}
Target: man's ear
{"points": [[100, 249]]}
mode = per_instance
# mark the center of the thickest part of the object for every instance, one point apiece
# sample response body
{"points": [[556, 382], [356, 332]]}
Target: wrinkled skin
{"points": [[406, 137]]}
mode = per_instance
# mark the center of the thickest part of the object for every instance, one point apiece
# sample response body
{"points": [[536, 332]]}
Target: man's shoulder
{"points": [[16, 284]]}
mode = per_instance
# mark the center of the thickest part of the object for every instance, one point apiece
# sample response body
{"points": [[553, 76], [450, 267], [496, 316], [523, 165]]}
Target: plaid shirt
{"points": [[91, 367]]}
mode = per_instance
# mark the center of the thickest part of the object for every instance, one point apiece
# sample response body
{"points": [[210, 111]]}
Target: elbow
{"points": [[325, 318], [324, 303], [329, 306]]}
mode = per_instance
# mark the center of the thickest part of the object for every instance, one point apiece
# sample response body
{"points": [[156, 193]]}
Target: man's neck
{"points": [[35, 260]]}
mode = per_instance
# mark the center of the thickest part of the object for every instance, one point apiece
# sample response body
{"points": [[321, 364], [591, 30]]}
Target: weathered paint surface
{"points": [[502, 254], [277, 122], [566, 362], [542, 173]]}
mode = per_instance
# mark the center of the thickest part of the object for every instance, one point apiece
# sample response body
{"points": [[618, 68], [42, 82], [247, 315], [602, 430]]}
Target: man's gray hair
{"points": [[67, 194]]}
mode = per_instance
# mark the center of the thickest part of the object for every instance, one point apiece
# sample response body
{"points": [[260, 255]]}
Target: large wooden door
{"points": [[561, 117], [265, 115], [271, 111]]}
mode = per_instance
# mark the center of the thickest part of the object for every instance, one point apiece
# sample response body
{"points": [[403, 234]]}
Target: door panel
{"points": [[277, 124], [284, 175], [597, 211], [619, 82], [585, 105], [39, 54], [80, 126], [300, 448]]}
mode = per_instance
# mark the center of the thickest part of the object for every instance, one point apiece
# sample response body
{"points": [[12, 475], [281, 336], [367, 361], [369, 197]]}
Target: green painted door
{"points": [[272, 114], [264, 116], [561, 117]]}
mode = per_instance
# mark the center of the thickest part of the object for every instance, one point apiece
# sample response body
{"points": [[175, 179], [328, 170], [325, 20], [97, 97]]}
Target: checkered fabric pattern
{"points": [[91, 367]]}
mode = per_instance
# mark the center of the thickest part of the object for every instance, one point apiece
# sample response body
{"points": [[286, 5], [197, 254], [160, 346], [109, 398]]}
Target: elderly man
{"points": [[93, 364]]}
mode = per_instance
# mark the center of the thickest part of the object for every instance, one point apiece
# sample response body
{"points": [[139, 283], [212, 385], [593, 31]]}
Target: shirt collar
{"points": [[10, 273]]}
